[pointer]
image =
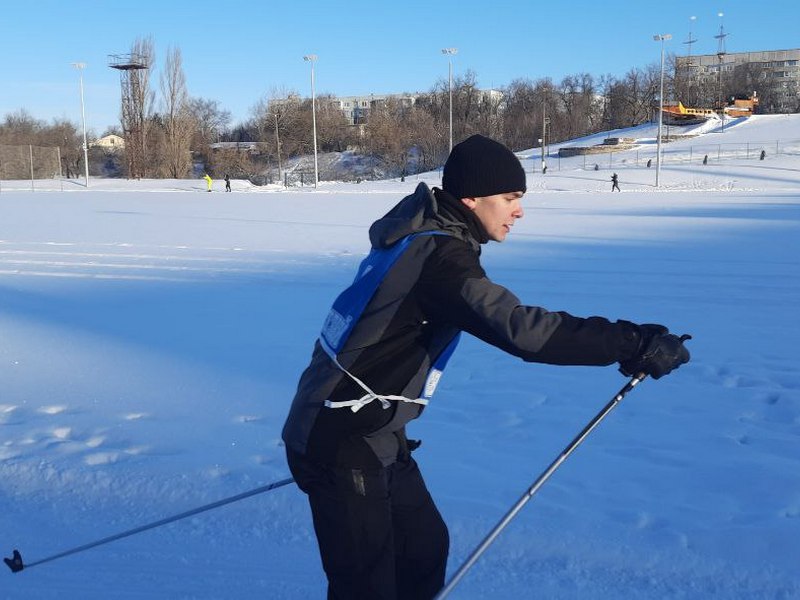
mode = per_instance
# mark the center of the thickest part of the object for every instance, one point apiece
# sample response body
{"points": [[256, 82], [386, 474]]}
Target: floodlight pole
{"points": [[312, 58], [278, 145], [450, 52], [660, 38], [545, 123], [81, 67], [541, 152]]}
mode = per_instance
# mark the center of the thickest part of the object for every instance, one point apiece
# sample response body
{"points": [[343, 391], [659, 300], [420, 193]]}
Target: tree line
{"points": [[170, 134]]}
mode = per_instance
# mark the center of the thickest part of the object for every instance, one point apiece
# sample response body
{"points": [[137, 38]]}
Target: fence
{"points": [[695, 153], [29, 162]]}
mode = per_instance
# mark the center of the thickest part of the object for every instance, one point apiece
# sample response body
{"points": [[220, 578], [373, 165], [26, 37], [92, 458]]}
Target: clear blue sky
{"points": [[238, 51]]}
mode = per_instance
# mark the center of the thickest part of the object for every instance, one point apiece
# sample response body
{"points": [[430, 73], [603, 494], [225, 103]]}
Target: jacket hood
{"points": [[416, 213]]}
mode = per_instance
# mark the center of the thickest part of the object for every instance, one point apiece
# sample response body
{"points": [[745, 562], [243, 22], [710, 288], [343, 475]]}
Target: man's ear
{"points": [[470, 203]]}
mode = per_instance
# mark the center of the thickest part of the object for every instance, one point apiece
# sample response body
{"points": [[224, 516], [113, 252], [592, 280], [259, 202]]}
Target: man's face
{"points": [[497, 213]]}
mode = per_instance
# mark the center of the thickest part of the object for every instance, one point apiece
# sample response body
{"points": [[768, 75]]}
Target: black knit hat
{"points": [[480, 166]]}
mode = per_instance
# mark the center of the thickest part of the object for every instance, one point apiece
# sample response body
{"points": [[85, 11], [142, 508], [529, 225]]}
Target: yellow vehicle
{"points": [[738, 106], [678, 114]]}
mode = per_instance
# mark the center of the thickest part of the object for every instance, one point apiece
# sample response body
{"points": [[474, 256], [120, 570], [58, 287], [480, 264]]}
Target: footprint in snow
{"points": [[101, 458], [96, 441], [62, 433], [247, 419], [52, 410], [7, 413], [136, 416]]}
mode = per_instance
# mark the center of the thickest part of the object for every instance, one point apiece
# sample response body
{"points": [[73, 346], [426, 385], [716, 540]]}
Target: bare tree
{"points": [[177, 119], [236, 162], [288, 112], [334, 132], [275, 121], [630, 101], [426, 139], [210, 121], [389, 137], [21, 129], [522, 114], [435, 104], [577, 94], [137, 107]]}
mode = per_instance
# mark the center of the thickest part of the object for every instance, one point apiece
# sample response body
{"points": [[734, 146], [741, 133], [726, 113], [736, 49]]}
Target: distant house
{"points": [[109, 142]]}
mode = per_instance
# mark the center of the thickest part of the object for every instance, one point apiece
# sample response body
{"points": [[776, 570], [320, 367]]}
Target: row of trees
{"points": [[160, 143], [168, 137], [20, 129]]}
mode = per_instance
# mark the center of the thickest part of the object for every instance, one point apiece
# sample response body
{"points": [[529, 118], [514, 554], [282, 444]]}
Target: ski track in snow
{"points": [[100, 261]]}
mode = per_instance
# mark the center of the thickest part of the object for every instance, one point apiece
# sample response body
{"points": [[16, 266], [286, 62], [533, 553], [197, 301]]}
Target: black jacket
{"points": [[435, 290]]}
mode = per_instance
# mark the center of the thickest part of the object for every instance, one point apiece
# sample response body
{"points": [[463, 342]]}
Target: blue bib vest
{"points": [[346, 312]]}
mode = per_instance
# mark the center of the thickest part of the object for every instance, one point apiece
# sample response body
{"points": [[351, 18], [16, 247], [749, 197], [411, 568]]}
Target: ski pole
{"points": [[15, 562], [476, 554]]}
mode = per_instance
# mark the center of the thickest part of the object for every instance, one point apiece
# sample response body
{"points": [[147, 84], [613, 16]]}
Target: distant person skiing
{"points": [[615, 183], [209, 181], [382, 350], [227, 183]]}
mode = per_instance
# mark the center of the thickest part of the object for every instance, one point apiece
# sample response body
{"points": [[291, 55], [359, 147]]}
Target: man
{"points": [[209, 181], [382, 350], [615, 182]]}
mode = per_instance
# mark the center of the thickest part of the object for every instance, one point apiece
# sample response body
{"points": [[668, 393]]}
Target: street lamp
{"points": [[545, 123], [541, 152], [278, 145], [312, 58], [660, 38], [81, 67], [450, 52]]}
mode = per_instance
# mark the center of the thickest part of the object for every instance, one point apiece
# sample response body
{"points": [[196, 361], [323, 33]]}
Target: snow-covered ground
{"points": [[151, 335]]}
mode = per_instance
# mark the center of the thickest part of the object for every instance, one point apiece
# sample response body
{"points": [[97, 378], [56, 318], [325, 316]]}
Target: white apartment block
{"points": [[783, 66]]}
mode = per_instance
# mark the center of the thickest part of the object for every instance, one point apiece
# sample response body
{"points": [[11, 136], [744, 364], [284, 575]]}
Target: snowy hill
{"points": [[152, 336]]}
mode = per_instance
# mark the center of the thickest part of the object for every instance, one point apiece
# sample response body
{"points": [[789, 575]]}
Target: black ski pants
{"points": [[380, 535]]}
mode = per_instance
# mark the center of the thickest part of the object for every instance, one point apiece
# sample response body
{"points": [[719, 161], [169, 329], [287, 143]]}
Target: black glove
{"points": [[660, 352]]}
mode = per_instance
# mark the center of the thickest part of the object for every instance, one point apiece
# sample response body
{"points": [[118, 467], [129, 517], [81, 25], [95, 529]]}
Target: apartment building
{"points": [[780, 67]]}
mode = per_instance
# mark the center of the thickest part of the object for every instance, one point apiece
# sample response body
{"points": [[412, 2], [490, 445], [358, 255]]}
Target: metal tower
{"points": [[720, 55], [689, 41], [132, 117]]}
